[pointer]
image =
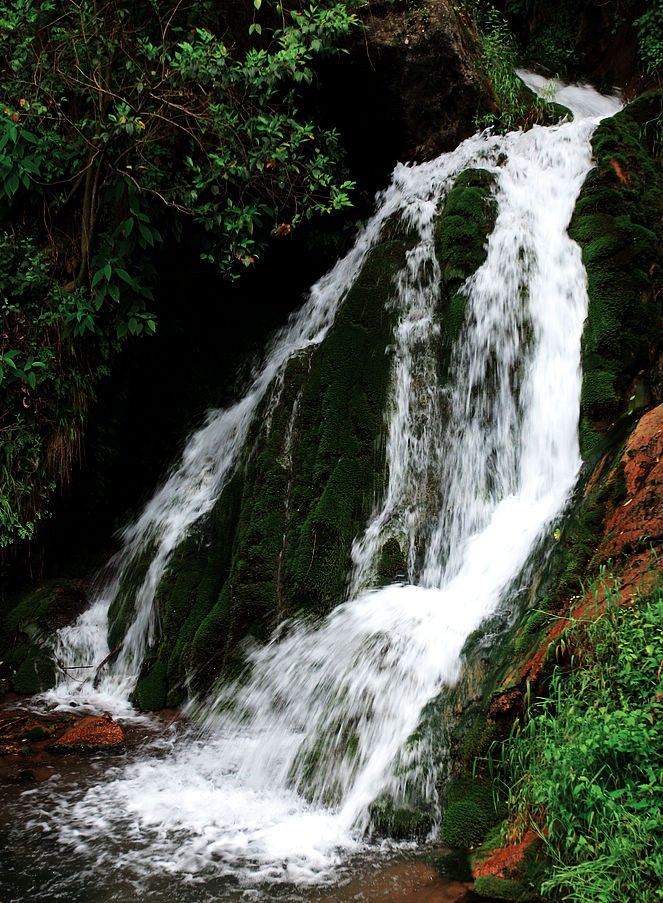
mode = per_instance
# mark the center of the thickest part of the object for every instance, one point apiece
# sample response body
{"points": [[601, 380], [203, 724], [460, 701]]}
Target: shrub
{"points": [[586, 767]]}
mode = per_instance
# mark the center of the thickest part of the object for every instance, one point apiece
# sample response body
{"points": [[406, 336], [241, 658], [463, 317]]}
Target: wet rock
{"points": [[636, 514], [506, 704], [91, 733], [412, 77]]}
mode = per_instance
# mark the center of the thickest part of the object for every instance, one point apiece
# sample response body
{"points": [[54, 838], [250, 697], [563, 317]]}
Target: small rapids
{"points": [[276, 787]]}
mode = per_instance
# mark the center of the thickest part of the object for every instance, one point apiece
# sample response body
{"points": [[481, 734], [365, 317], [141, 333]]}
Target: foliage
{"points": [[649, 28], [515, 105], [122, 125], [585, 769], [550, 32], [499, 57]]}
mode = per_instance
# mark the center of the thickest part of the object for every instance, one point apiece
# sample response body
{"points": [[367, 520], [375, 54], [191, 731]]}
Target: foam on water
{"points": [[278, 787]]}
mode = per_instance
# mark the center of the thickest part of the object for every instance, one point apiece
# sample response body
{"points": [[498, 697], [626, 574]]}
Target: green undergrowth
{"points": [[618, 223], [585, 768], [514, 105], [548, 34]]}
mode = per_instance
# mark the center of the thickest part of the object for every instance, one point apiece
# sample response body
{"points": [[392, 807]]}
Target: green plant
{"points": [[122, 124], [585, 769], [649, 29]]}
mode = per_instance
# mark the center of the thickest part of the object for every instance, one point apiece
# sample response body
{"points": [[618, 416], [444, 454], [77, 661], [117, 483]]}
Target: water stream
{"points": [[275, 790]]}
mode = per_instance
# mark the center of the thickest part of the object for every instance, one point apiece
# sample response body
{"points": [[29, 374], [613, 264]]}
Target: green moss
{"points": [[400, 822], [151, 690], [464, 824], [470, 813], [35, 673], [462, 227], [617, 222], [503, 889]]}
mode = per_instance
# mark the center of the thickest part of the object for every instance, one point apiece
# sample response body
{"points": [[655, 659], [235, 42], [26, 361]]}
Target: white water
{"points": [[480, 486]]}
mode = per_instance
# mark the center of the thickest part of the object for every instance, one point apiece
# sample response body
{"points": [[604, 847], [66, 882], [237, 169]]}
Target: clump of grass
{"points": [[515, 106], [586, 768]]}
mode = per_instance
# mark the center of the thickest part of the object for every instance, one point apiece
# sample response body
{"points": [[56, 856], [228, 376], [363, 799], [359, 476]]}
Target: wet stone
{"points": [[91, 733]]}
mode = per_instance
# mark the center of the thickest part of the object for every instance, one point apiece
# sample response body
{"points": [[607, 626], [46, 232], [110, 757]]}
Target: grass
{"points": [[586, 768]]}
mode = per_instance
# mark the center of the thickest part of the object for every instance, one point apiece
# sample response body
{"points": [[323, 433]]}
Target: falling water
{"points": [[280, 783]]}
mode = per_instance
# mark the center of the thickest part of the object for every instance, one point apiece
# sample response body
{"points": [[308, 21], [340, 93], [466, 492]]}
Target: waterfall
{"points": [[280, 782]]}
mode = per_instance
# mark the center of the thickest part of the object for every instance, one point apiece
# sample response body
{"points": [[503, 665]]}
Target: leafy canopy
{"points": [[125, 126]]}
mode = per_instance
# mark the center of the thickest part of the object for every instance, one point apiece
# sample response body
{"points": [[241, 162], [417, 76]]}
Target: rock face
{"points": [[411, 78], [617, 223], [638, 517], [25, 631], [91, 733], [425, 57]]}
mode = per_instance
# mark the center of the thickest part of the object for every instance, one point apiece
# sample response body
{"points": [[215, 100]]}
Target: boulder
{"points": [[91, 733]]}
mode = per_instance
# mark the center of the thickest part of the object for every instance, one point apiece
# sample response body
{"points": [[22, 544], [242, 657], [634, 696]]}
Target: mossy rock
{"points": [[470, 813], [503, 889], [465, 824], [392, 564], [618, 224], [400, 822], [150, 693], [541, 111], [28, 627], [35, 673], [278, 542], [187, 594], [462, 226]]}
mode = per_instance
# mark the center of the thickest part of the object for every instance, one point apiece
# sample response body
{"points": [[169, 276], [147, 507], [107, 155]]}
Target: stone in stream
{"points": [[91, 733]]}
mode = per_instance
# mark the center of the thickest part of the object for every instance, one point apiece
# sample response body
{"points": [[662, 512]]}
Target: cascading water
{"points": [[281, 781]]}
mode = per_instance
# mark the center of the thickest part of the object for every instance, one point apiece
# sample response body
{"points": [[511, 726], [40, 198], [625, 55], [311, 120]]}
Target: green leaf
{"points": [[126, 277], [98, 276]]}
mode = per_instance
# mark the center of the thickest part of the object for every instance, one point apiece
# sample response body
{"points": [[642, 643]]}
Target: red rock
{"points": [[504, 861], [507, 703], [91, 733], [640, 515]]}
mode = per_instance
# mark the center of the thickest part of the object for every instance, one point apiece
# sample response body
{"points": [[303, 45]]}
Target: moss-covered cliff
{"points": [[617, 222]]}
